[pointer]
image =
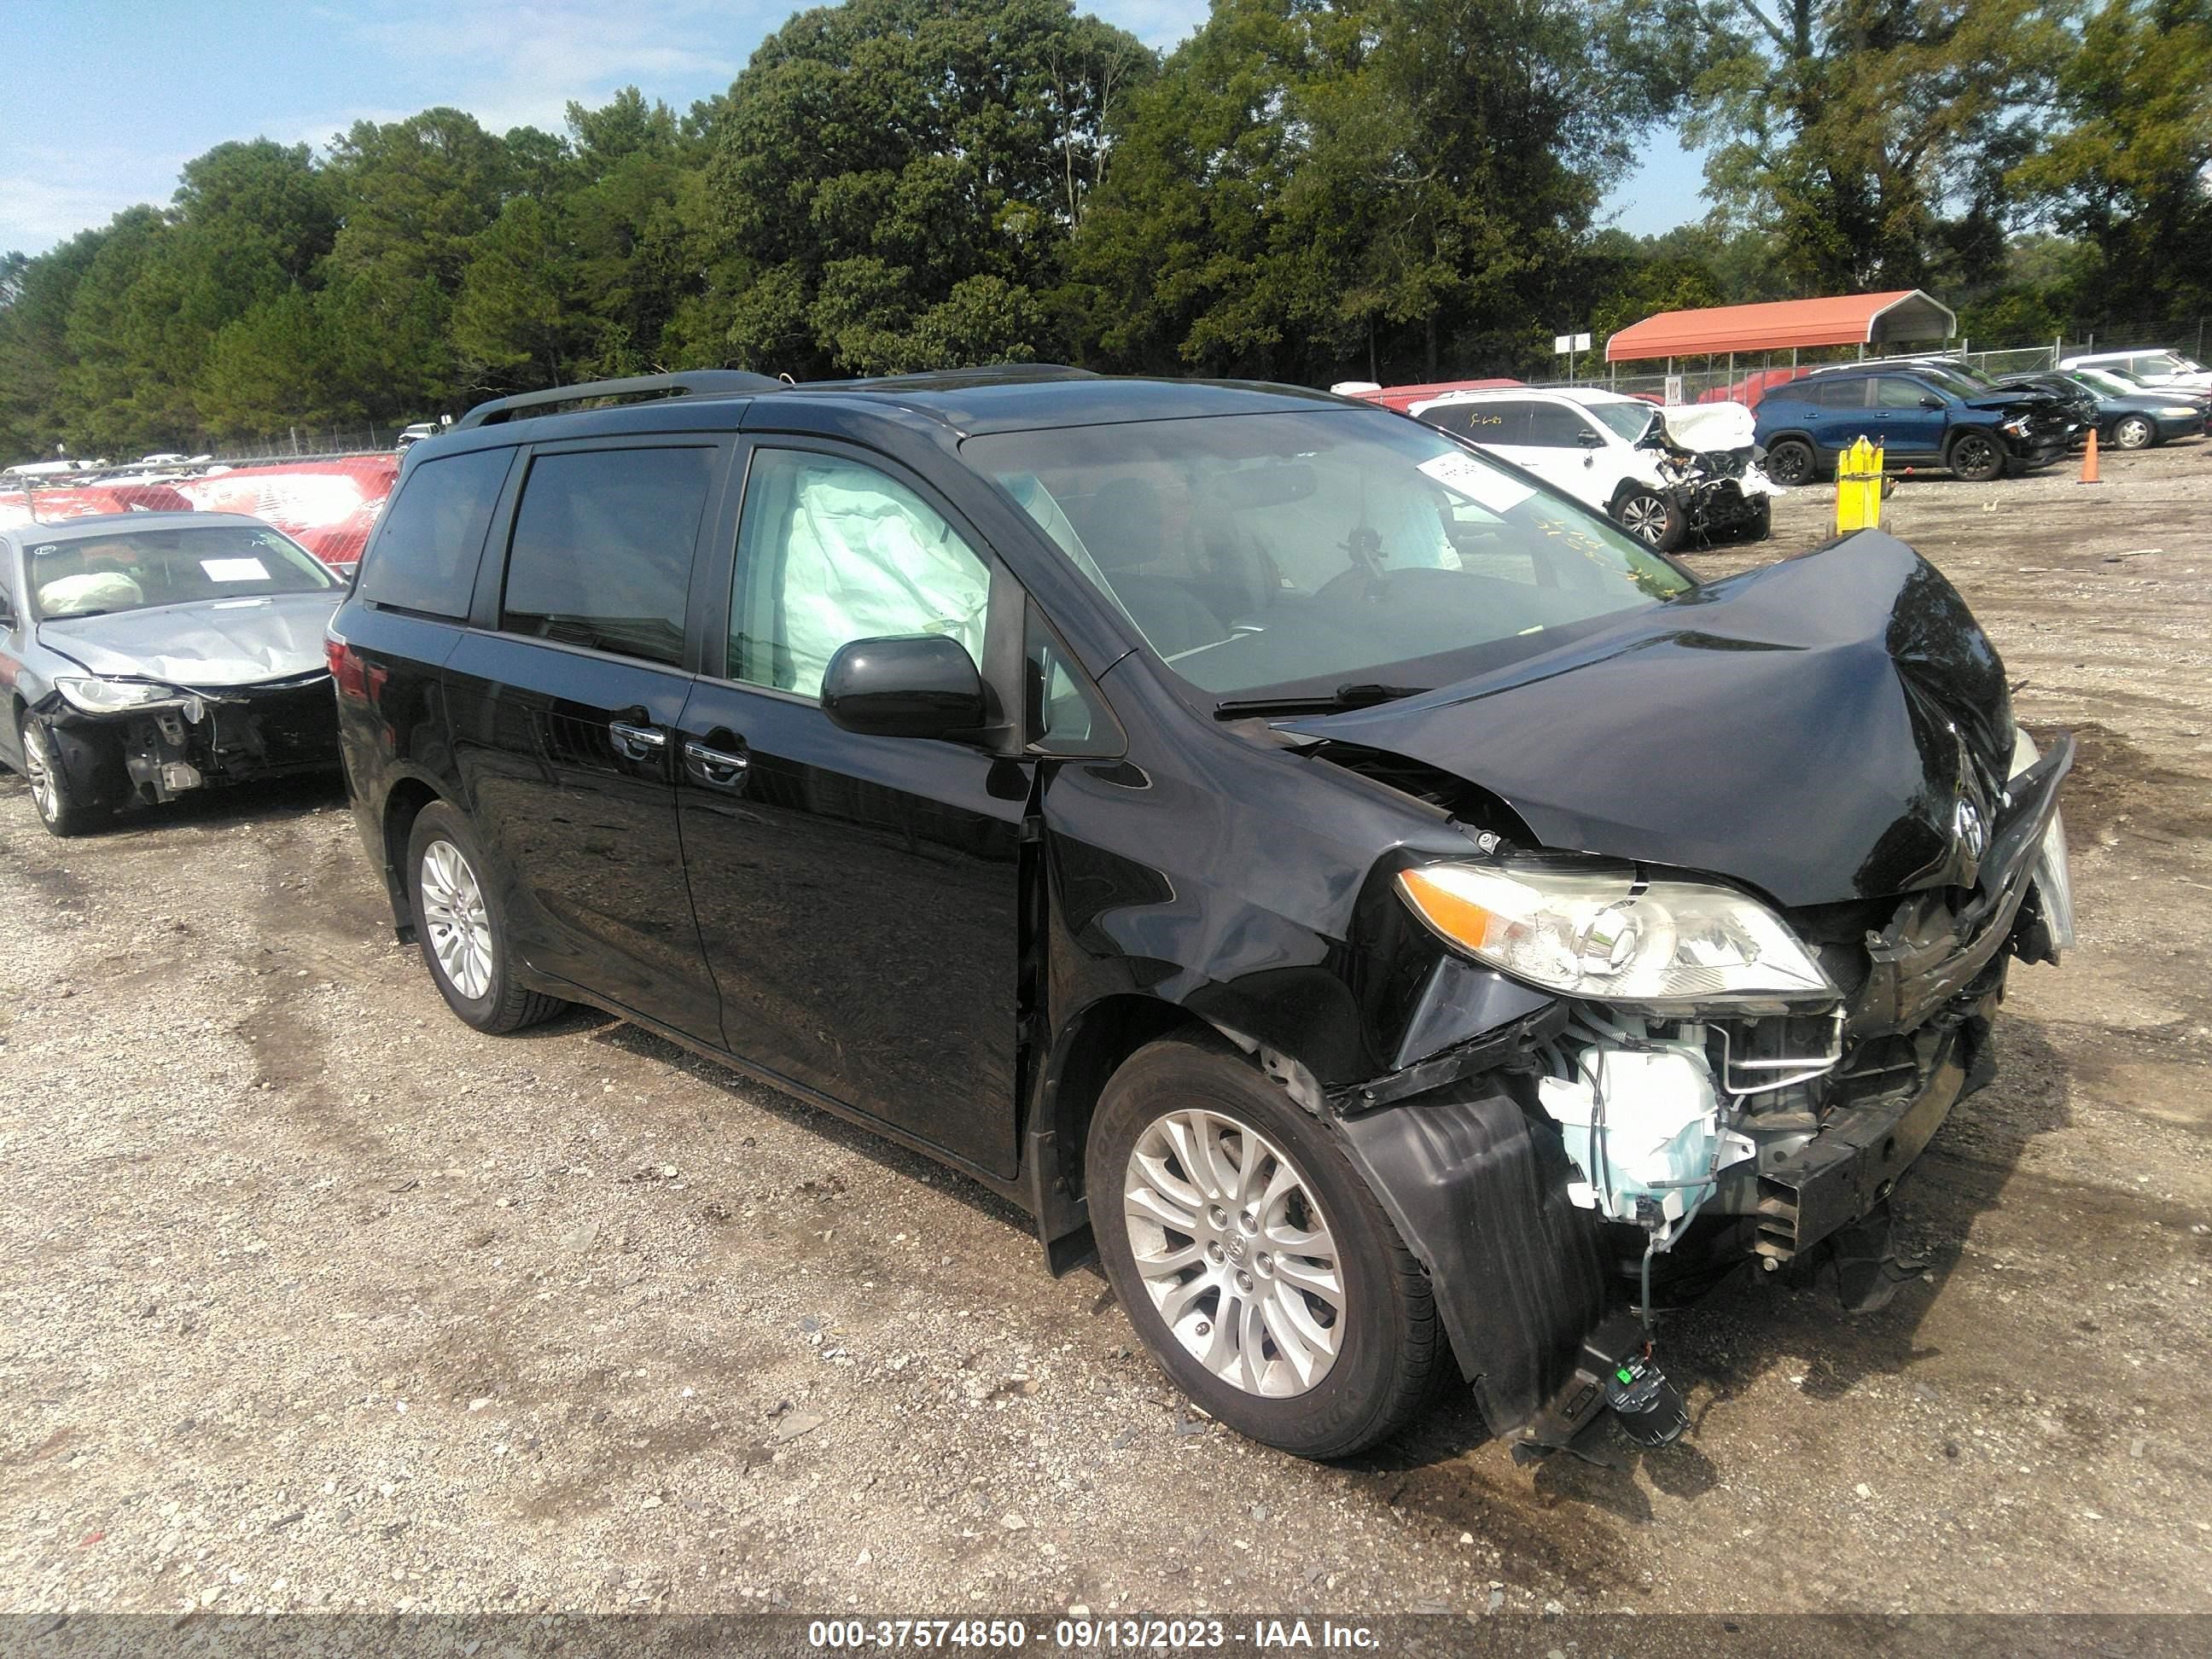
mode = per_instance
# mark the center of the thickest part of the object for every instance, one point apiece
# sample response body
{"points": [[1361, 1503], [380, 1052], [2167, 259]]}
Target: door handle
{"points": [[637, 743], [717, 767]]}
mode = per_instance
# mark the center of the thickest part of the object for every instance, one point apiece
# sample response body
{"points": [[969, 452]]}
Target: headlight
{"points": [[1593, 928], [2176, 414], [2054, 871], [113, 696], [2018, 425]]}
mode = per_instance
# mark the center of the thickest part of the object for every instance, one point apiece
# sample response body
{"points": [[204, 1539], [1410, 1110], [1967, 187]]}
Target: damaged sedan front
{"points": [[152, 654]]}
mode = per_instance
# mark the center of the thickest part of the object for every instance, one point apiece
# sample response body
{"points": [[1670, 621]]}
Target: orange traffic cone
{"points": [[2089, 460]]}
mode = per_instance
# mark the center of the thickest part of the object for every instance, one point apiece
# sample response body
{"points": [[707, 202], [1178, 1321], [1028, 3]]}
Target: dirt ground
{"points": [[310, 1297]]}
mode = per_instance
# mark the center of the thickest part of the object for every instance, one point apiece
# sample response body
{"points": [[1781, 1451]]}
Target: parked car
{"points": [[152, 653], [411, 435], [2154, 366], [1384, 909], [1921, 415], [1618, 454], [2110, 385]]}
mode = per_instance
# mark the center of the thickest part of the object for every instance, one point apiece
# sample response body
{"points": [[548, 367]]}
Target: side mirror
{"points": [[1931, 403], [918, 685], [1589, 439]]}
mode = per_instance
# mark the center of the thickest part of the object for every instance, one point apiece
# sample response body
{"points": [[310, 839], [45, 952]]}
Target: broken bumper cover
{"points": [[199, 738], [1920, 1024]]}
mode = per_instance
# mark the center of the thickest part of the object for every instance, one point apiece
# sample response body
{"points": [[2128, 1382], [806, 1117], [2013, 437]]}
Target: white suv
{"points": [[1661, 474]]}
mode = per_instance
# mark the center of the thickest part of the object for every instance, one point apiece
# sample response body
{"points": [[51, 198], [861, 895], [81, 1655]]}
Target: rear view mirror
{"points": [[1264, 486], [919, 685]]}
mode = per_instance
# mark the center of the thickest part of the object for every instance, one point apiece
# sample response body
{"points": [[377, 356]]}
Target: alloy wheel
{"points": [[39, 772], [1974, 459], [1644, 516], [2133, 433], [458, 920], [1235, 1253]]}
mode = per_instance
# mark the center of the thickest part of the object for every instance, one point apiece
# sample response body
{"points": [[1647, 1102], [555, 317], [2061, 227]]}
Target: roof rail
{"points": [[689, 383]]}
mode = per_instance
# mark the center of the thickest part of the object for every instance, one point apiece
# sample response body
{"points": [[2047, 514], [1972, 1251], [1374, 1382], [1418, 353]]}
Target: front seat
{"points": [[1125, 529]]}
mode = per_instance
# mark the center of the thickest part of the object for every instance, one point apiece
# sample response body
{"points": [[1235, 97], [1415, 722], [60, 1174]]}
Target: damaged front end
{"points": [[1710, 458], [1691, 1070], [146, 740]]}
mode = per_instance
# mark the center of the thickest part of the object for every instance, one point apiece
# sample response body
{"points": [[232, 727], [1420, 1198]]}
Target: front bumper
{"points": [[202, 738]]}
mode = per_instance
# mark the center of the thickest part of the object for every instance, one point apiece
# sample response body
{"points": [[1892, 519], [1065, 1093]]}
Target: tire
{"points": [[2133, 432], [461, 930], [55, 797], [1387, 1351], [1790, 461], [1977, 458], [1761, 524], [1650, 517]]}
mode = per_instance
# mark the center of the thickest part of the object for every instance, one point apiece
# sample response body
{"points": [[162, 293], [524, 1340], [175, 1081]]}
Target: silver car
{"points": [[147, 654]]}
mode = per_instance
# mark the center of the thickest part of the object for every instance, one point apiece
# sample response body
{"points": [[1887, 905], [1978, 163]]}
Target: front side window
{"points": [[424, 556], [830, 550], [138, 570], [1296, 551], [1895, 392], [601, 555]]}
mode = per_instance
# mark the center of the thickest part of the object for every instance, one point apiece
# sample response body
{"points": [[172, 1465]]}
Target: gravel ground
{"points": [[313, 1298]]}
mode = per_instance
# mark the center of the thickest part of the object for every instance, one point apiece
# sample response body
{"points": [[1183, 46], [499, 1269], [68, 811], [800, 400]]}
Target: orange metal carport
{"points": [[1906, 314]]}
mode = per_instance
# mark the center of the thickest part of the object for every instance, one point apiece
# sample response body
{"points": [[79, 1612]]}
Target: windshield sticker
{"points": [[235, 570], [1466, 477]]}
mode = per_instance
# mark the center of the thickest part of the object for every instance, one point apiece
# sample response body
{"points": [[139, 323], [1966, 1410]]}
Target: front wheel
{"points": [[51, 792], [1977, 458], [459, 925], [1790, 461], [2133, 432], [1252, 1257], [1650, 518]]}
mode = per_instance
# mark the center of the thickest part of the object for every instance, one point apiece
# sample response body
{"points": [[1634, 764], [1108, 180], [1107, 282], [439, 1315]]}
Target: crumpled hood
{"points": [[1711, 426], [1810, 729], [2024, 398], [215, 643]]}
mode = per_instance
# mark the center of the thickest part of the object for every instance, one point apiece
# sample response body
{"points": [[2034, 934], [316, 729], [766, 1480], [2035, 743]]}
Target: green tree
{"points": [[1850, 128], [2126, 171], [875, 155]]}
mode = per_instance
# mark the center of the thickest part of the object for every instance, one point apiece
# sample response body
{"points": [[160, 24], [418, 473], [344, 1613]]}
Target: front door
{"points": [[1907, 426], [858, 897], [564, 716]]}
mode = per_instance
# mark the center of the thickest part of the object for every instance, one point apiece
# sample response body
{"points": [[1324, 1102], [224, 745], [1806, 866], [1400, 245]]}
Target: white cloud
{"points": [[48, 194]]}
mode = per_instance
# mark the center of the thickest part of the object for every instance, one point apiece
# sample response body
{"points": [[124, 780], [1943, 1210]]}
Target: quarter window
{"points": [[601, 555], [831, 550], [424, 556]]}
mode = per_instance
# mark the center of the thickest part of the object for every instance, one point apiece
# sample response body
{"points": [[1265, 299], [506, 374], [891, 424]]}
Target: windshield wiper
{"points": [[1363, 694]]}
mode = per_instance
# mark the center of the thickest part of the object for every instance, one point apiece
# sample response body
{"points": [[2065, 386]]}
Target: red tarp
{"points": [[1905, 313], [328, 506]]}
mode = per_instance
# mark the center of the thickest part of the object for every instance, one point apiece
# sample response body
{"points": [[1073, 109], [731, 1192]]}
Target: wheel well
{"points": [[1106, 1034], [401, 807]]}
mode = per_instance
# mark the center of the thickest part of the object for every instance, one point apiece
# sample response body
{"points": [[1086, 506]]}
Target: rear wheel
{"points": [[51, 792], [459, 926], [1790, 461], [1252, 1257], [1650, 518], [1977, 458], [2133, 432]]}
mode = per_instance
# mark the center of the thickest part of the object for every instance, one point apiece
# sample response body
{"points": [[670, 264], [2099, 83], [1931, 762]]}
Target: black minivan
{"points": [[1387, 913]]}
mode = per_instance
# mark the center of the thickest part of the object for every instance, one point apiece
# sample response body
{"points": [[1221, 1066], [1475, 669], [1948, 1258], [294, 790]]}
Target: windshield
{"points": [[1951, 380], [137, 570], [1303, 552], [1631, 420]]}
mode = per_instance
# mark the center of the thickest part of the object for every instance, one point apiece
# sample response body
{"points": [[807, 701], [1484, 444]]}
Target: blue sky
{"points": [[102, 101]]}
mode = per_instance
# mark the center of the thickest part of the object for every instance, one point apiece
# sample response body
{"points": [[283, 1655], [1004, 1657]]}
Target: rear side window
{"points": [[1484, 423], [601, 555], [425, 553], [1551, 426], [1839, 394]]}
